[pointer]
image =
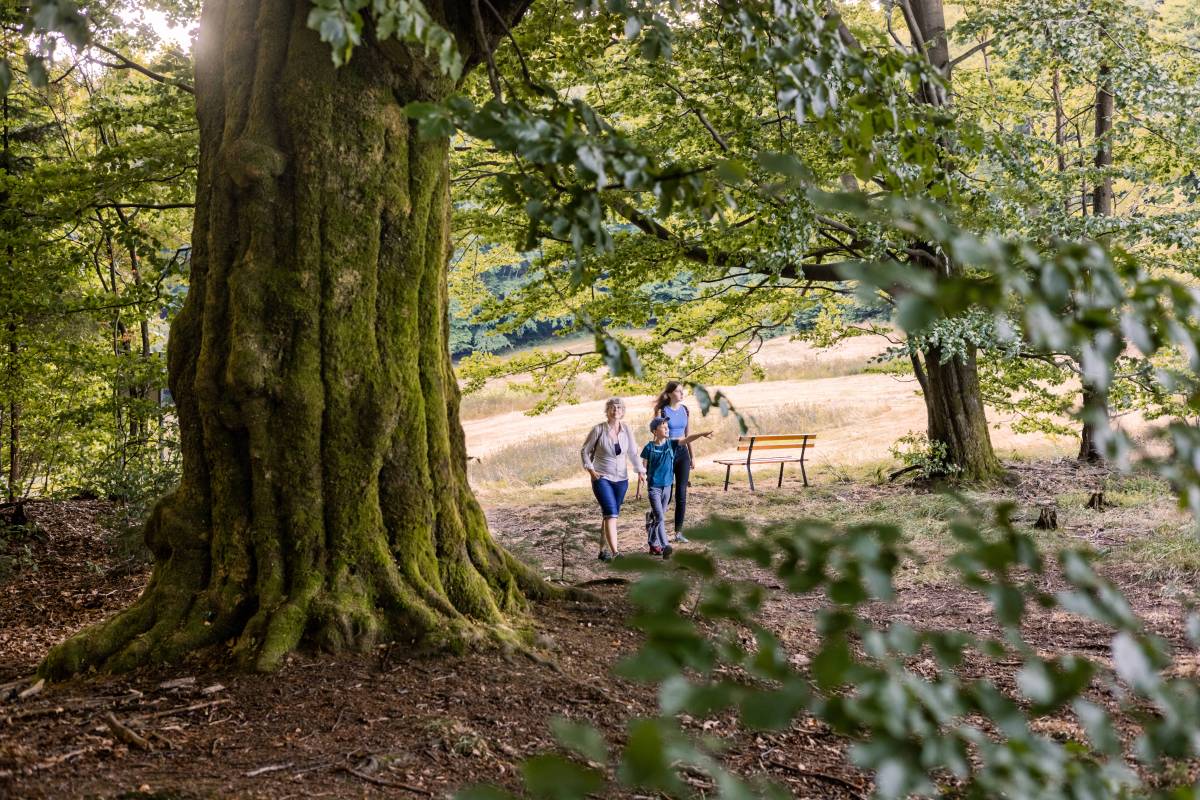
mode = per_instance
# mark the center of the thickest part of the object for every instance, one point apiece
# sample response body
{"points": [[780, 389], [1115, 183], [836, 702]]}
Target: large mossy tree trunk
{"points": [[324, 495]]}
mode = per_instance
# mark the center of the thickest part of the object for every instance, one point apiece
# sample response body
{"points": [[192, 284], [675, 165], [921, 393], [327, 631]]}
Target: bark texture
{"points": [[324, 495], [953, 399], [1095, 401], [954, 405]]}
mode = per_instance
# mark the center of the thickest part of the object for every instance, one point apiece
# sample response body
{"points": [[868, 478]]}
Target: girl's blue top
{"points": [[677, 421]]}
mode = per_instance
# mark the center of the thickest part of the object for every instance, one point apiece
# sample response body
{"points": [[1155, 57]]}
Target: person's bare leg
{"points": [[610, 534]]}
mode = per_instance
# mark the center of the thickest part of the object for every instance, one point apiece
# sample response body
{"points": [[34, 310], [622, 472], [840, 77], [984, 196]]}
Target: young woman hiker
{"points": [[659, 457], [670, 407], [607, 447]]}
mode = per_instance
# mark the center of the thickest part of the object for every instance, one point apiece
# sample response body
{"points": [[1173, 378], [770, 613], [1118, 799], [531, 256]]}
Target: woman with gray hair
{"points": [[605, 451]]}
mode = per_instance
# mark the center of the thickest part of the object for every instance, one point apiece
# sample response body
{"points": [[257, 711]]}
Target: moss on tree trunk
{"points": [[324, 495], [956, 416]]}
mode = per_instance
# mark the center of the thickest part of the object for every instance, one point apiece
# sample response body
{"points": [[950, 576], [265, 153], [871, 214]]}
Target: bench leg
{"points": [[780, 475], [727, 466], [802, 470], [750, 475]]}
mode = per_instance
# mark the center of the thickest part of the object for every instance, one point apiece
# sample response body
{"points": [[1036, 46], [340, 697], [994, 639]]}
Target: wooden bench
{"points": [[753, 445]]}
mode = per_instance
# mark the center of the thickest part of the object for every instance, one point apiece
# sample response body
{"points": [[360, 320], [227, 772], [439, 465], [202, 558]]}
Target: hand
{"points": [[706, 435], [595, 475]]}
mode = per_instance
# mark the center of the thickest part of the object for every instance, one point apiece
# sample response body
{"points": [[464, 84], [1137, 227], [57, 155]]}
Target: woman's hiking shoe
{"points": [[655, 550], [666, 551], [605, 556], [679, 537]]}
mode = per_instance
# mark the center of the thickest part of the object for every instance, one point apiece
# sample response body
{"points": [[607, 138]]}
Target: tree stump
{"points": [[14, 514], [1047, 520]]}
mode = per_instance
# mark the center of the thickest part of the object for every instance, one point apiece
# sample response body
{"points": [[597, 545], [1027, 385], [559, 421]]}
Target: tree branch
{"points": [[824, 273], [970, 52], [126, 63], [717, 137], [151, 206]]}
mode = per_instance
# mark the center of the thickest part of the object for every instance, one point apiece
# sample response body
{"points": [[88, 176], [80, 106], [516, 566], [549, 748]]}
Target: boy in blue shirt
{"points": [[659, 458]]}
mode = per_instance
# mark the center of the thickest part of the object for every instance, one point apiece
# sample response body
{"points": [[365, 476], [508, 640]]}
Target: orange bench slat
{"points": [[773, 437], [797, 446], [766, 460]]}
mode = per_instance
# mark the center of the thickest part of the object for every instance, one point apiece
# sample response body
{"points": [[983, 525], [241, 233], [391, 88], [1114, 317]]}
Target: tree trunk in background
{"points": [[953, 399], [954, 406], [14, 407], [14, 417], [1095, 402], [324, 495]]}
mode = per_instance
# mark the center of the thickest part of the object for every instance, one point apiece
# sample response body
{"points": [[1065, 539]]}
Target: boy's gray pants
{"points": [[656, 517]]}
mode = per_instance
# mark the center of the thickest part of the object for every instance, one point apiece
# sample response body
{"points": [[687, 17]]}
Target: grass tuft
{"points": [[536, 462]]}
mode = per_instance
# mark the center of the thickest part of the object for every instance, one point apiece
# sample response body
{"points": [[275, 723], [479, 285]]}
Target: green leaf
{"points": [[1099, 727], [644, 762], [774, 710], [35, 69], [732, 170], [483, 792], [831, 663], [695, 561], [557, 778], [580, 738], [1035, 682], [784, 164], [1133, 664]]}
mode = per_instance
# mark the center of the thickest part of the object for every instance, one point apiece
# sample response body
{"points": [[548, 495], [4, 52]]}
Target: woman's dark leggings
{"points": [[683, 469]]}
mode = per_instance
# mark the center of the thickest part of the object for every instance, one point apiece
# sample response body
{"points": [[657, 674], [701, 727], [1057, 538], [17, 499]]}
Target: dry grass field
{"points": [[857, 416]]}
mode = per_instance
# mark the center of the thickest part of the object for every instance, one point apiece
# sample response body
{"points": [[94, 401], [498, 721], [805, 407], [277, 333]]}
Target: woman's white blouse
{"points": [[598, 453]]}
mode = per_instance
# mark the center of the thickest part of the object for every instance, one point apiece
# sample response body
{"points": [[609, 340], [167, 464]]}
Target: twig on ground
{"points": [[194, 707], [390, 784], [821, 776], [254, 773], [125, 734], [54, 762], [33, 690]]}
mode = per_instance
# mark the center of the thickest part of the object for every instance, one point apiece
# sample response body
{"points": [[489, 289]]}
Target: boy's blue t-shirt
{"points": [[660, 462]]}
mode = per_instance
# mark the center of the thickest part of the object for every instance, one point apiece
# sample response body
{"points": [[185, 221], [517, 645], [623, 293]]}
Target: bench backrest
{"points": [[777, 441]]}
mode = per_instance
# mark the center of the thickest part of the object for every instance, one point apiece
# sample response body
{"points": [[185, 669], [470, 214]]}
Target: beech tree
{"points": [[324, 491]]}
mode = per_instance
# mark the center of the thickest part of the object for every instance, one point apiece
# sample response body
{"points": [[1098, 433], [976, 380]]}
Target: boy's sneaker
{"points": [[605, 555], [655, 550], [679, 537], [666, 551]]}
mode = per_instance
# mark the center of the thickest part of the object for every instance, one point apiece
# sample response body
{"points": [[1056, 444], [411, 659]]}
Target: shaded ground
{"points": [[391, 724], [402, 724]]}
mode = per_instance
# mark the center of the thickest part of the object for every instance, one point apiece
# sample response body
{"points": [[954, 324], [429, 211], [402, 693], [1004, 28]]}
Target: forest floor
{"points": [[399, 724]]}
